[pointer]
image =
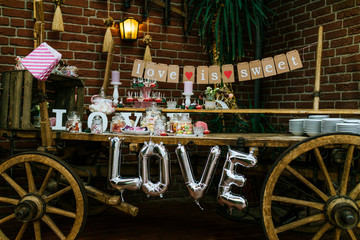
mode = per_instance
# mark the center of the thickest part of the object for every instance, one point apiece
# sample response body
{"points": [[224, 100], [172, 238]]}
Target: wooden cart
{"points": [[313, 187]]}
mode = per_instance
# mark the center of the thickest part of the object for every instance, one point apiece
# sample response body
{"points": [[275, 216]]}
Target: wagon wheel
{"points": [[318, 181], [35, 182]]}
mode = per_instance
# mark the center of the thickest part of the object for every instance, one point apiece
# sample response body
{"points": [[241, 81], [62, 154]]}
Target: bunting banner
{"points": [[256, 69]]}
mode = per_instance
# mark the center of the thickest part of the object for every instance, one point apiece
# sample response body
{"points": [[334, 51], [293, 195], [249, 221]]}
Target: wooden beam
{"points": [[265, 111], [109, 61], [318, 69]]}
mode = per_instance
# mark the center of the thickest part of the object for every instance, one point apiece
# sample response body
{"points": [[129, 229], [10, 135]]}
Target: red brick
{"points": [[335, 69], [353, 67], [81, 47], [7, 50], [325, 19], [341, 42], [321, 12], [72, 28], [335, 34], [340, 78], [347, 86], [351, 59], [346, 105], [25, 33], [16, 13], [97, 22], [348, 13], [354, 30], [329, 96], [332, 26], [89, 12], [350, 95], [335, 61], [343, 5], [347, 50]]}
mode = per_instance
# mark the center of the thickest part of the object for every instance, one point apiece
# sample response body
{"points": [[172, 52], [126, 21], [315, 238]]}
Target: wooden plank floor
{"points": [[179, 219]]}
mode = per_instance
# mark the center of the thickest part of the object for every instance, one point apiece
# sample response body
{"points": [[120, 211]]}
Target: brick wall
{"points": [[81, 42], [296, 26]]}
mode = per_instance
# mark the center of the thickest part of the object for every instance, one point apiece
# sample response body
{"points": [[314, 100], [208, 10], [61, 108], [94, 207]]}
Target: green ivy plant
{"points": [[222, 23]]}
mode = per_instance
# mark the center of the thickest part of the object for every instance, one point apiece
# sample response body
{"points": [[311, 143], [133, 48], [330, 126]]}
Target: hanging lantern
{"points": [[129, 28]]}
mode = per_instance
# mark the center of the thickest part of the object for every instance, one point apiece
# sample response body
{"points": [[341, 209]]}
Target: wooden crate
{"points": [[20, 94]]}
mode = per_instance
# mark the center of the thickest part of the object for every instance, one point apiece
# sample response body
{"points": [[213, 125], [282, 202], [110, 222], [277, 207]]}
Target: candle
{"points": [[188, 87], [115, 76]]}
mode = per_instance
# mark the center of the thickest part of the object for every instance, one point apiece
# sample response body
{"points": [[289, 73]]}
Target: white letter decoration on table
{"points": [[229, 177], [102, 115], [127, 118], [58, 114]]}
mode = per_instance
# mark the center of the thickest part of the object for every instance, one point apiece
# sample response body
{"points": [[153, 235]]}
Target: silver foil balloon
{"points": [[197, 189], [229, 178], [115, 159], [158, 150]]}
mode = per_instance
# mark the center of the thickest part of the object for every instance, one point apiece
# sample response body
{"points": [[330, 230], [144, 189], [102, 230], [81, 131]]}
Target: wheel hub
{"points": [[30, 208], [342, 212]]}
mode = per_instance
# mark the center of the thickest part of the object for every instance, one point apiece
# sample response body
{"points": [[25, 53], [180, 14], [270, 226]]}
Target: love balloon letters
{"points": [[256, 69], [197, 189]]}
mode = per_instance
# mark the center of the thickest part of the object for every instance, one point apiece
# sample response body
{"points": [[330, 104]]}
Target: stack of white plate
{"points": [[351, 120], [348, 128], [318, 116], [328, 125], [296, 126], [312, 127]]}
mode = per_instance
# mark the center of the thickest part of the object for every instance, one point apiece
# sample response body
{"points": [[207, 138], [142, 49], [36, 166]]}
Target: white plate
{"points": [[297, 133], [135, 132]]}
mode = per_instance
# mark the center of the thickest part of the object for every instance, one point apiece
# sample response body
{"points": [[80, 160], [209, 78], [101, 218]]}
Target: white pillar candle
{"points": [[115, 76], [188, 87]]}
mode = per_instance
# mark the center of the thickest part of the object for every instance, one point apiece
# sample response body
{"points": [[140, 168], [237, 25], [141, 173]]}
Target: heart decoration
{"points": [[188, 75], [228, 74]]}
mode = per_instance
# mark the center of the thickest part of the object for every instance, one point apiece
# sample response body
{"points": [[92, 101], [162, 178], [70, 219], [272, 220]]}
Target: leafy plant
{"points": [[222, 22], [211, 93]]}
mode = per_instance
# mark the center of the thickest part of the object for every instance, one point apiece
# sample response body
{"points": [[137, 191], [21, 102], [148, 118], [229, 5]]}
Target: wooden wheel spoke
{"points": [[57, 194], [307, 183], [46, 180], [30, 178], [325, 171], [346, 172], [298, 202], [50, 209], [2, 235], [351, 234], [9, 200], [323, 230], [337, 233], [53, 226], [14, 184], [22, 231], [7, 218], [355, 192], [37, 230], [300, 222]]}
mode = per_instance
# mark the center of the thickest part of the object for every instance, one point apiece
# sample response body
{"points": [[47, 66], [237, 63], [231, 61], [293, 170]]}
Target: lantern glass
{"points": [[129, 29]]}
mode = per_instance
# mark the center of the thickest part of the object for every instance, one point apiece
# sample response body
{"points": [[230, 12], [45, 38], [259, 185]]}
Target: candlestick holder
{"points": [[187, 98], [116, 92]]}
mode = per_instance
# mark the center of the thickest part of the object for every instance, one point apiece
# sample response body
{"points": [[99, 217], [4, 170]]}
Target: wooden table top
{"points": [[250, 139]]}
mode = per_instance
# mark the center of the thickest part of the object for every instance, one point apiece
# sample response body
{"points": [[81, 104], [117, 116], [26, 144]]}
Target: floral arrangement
{"points": [[211, 93]]}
